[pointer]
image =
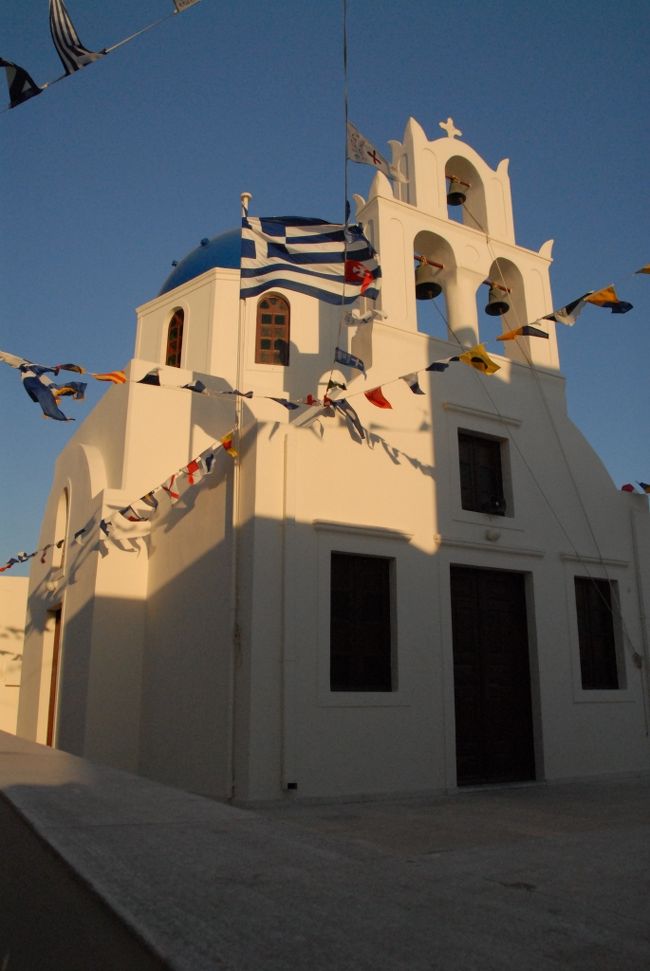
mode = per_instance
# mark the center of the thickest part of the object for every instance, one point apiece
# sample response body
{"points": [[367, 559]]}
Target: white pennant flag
{"points": [[359, 149]]}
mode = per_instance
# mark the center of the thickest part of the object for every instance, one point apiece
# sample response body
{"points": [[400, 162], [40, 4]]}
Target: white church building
{"points": [[460, 597]]}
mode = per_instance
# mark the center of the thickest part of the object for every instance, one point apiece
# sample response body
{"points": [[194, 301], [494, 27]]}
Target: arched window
{"points": [[272, 330], [175, 339], [61, 530]]}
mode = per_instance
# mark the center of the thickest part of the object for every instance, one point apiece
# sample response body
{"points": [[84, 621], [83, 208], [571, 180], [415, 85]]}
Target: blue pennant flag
{"points": [[40, 389], [346, 409], [289, 405], [342, 357]]}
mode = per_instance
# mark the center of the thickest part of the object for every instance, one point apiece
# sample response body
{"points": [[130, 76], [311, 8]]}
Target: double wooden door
{"points": [[494, 727]]}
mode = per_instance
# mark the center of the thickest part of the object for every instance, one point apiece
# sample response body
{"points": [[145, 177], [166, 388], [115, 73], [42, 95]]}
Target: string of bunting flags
{"points": [[304, 255], [144, 508], [71, 51], [289, 244]]}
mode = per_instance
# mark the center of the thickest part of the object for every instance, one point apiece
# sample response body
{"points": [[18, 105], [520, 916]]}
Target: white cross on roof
{"points": [[450, 128]]}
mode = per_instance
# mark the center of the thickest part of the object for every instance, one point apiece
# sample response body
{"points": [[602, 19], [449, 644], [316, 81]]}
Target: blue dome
{"points": [[222, 250]]}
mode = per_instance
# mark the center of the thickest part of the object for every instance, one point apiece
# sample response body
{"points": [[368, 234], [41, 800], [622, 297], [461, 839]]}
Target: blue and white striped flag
{"points": [[328, 261], [66, 40]]}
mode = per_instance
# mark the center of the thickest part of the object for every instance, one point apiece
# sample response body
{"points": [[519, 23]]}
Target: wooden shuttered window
{"points": [[481, 476], [360, 623], [596, 636]]}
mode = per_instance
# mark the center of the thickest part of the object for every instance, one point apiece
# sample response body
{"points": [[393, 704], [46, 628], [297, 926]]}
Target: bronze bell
{"points": [[426, 285], [456, 195], [497, 303]]}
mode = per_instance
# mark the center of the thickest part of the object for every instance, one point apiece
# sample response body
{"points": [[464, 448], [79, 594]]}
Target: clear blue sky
{"points": [[113, 173]]}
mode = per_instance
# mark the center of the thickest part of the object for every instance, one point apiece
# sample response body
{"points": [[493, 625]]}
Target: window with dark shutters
{"points": [[360, 623], [481, 476], [596, 637]]}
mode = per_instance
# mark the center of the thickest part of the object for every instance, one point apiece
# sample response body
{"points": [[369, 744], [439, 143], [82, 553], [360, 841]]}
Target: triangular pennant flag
{"points": [[21, 85], [193, 471], [116, 377], [151, 377], [336, 384], [608, 298], [569, 314], [628, 487], [76, 389], [149, 500], [168, 488], [242, 394], [346, 409], [105, 526], [289, 405], [197, 386], [206, 462], [376, 397], [227, 442], [527, 330], [413, 383], [77, 368], [645, 486], [644, 269], [439, 365], [44, 552], [477, 357]]}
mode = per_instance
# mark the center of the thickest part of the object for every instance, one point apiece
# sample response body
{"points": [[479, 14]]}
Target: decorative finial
{"points": [[450, 128], [245, 198]]}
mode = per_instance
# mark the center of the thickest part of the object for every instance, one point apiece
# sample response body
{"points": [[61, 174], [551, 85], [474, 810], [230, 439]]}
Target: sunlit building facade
{"points": [[451, 591]]}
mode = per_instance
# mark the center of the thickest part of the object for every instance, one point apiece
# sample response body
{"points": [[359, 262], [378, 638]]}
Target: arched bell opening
{"points": [[465, 194], [502, 303], [433, 262]]}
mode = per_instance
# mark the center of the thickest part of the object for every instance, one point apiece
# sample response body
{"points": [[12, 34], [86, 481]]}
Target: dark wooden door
{"points": [[494, 734]]}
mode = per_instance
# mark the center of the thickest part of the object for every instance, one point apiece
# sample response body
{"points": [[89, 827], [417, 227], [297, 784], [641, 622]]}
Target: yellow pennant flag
{"points": [[644, 269], [477, 357], [226, 441], [608, 297]]}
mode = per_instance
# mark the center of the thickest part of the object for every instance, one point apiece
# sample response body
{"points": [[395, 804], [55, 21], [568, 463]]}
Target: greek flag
{"points": [[329, 261], [66, 40]]}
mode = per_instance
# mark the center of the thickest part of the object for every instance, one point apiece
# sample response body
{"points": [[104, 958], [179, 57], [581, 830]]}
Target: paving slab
{"points": [[538, 877]]}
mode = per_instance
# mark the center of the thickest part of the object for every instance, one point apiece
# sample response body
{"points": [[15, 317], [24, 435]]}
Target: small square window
{"points": [[481, 475], [596, 635], [360, 623]]}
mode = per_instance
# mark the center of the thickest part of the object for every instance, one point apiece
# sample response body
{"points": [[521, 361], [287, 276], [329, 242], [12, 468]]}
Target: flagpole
{"points": [[345, 110], [245, 199]]}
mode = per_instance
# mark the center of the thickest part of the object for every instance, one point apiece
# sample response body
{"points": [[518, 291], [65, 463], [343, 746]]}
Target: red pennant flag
{"points": [[356, 272], [191, 470], [376, 397], [116, 377], [170, 491]]}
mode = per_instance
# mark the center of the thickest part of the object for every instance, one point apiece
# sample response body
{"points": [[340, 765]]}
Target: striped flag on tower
{"points": [[329, 261]]}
